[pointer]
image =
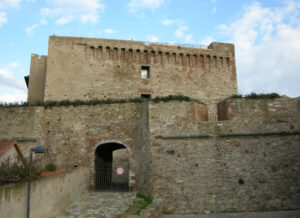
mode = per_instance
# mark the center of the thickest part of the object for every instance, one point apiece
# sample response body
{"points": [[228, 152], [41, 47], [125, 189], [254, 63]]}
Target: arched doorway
{"points": [[111, 167]]}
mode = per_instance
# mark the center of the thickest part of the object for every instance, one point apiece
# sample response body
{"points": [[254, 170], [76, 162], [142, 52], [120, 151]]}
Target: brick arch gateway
{"points": [[111, 167]]}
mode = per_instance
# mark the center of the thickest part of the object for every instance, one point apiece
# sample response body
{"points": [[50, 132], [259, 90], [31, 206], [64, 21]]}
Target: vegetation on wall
{"points": [[241, 181], [50, 167], [147, 201], [16, 172], [74, 103], [49, 104], [141, 202], [253, 95]]}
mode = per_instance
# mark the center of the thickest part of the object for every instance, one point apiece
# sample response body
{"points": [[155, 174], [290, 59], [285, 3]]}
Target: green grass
{"points": [[139, 204], [147, 201]]}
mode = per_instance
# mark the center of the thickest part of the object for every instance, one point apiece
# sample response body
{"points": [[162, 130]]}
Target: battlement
{"points": [[216, 55], [39, 58]]}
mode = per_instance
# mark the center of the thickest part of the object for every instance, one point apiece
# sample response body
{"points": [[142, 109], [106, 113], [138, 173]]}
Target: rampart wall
{"points": [[83, 68], [249, 162], [72, 134]]}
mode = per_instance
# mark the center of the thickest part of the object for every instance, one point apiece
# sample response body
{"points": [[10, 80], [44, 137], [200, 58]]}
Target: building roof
{"points": [[7, 144]]}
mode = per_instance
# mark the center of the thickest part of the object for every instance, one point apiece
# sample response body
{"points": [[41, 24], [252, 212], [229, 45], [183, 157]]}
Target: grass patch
{"points": [[147, 201], [74, 103], [139, 204]]}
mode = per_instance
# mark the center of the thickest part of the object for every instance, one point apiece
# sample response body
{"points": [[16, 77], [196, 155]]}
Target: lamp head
{"points": [[39, 149]]}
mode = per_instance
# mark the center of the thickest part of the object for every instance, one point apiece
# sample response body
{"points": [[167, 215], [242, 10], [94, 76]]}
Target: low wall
{"points": [[49, 195]]}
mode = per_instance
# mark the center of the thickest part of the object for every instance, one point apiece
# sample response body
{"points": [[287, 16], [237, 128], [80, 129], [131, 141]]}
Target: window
{"points": [[146, 96], [145, 72]]}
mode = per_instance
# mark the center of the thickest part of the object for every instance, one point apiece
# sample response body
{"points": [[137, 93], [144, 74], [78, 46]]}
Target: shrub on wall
{"points": [[50, 167], [241, 181], [16, 172], [254, 95]]}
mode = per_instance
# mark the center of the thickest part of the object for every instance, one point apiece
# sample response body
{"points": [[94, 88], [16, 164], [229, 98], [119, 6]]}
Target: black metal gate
{"points": [[111, 175]]}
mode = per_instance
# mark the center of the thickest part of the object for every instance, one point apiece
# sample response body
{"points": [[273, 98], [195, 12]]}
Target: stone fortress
{"points": [[81, 68], [210, 153]]}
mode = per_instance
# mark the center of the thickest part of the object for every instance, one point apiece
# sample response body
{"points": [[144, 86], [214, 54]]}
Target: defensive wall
{"points": [[246, 161], [72, 134], [249, 162], [87, 68]]}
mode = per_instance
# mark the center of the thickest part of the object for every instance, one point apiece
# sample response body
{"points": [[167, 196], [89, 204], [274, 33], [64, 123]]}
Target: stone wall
{"points": [[49, 195], [258, 173], [25, 124], [249, 163], [261, 115], [84, 68], [143, 153], [181, 170], [201, 176], [72, 134]]}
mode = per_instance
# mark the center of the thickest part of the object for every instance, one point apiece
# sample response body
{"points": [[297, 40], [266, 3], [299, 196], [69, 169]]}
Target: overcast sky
{"points": [[266, 34]]}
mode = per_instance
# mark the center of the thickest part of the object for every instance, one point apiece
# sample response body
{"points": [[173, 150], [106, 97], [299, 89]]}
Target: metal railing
{"points": [[174, 44]]}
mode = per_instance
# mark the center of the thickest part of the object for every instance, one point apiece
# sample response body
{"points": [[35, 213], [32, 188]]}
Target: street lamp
{"points": [[37, 149]]}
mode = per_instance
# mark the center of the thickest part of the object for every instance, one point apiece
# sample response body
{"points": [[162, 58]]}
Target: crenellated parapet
{"points": [[218, 55]]}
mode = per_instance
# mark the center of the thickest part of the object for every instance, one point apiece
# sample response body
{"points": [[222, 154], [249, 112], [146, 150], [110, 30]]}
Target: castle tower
{"points": [[88, 68]]}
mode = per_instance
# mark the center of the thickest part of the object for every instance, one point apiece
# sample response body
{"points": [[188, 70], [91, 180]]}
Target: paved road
{"points": [[99, 205], [111, 204], [269, 214]]}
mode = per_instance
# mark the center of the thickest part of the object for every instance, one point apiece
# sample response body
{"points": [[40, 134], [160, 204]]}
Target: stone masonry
{"points": [[222, 155], [86, 68], [248, 163]]}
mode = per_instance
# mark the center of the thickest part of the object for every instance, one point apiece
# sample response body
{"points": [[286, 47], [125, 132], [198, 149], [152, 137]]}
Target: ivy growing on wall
{"points": [[75, 103]]}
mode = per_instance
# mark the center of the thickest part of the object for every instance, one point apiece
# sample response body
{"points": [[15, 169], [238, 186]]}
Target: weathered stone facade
{"points": [[235, 155], [249, 163], [85, 68], [175, 154]]}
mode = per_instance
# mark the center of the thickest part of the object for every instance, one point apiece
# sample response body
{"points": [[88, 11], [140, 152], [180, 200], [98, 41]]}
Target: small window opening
{"points": [[145, 72], [146, 96]]}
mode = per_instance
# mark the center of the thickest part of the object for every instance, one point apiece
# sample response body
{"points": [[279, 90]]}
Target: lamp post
{"points": [[37, 149]]}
